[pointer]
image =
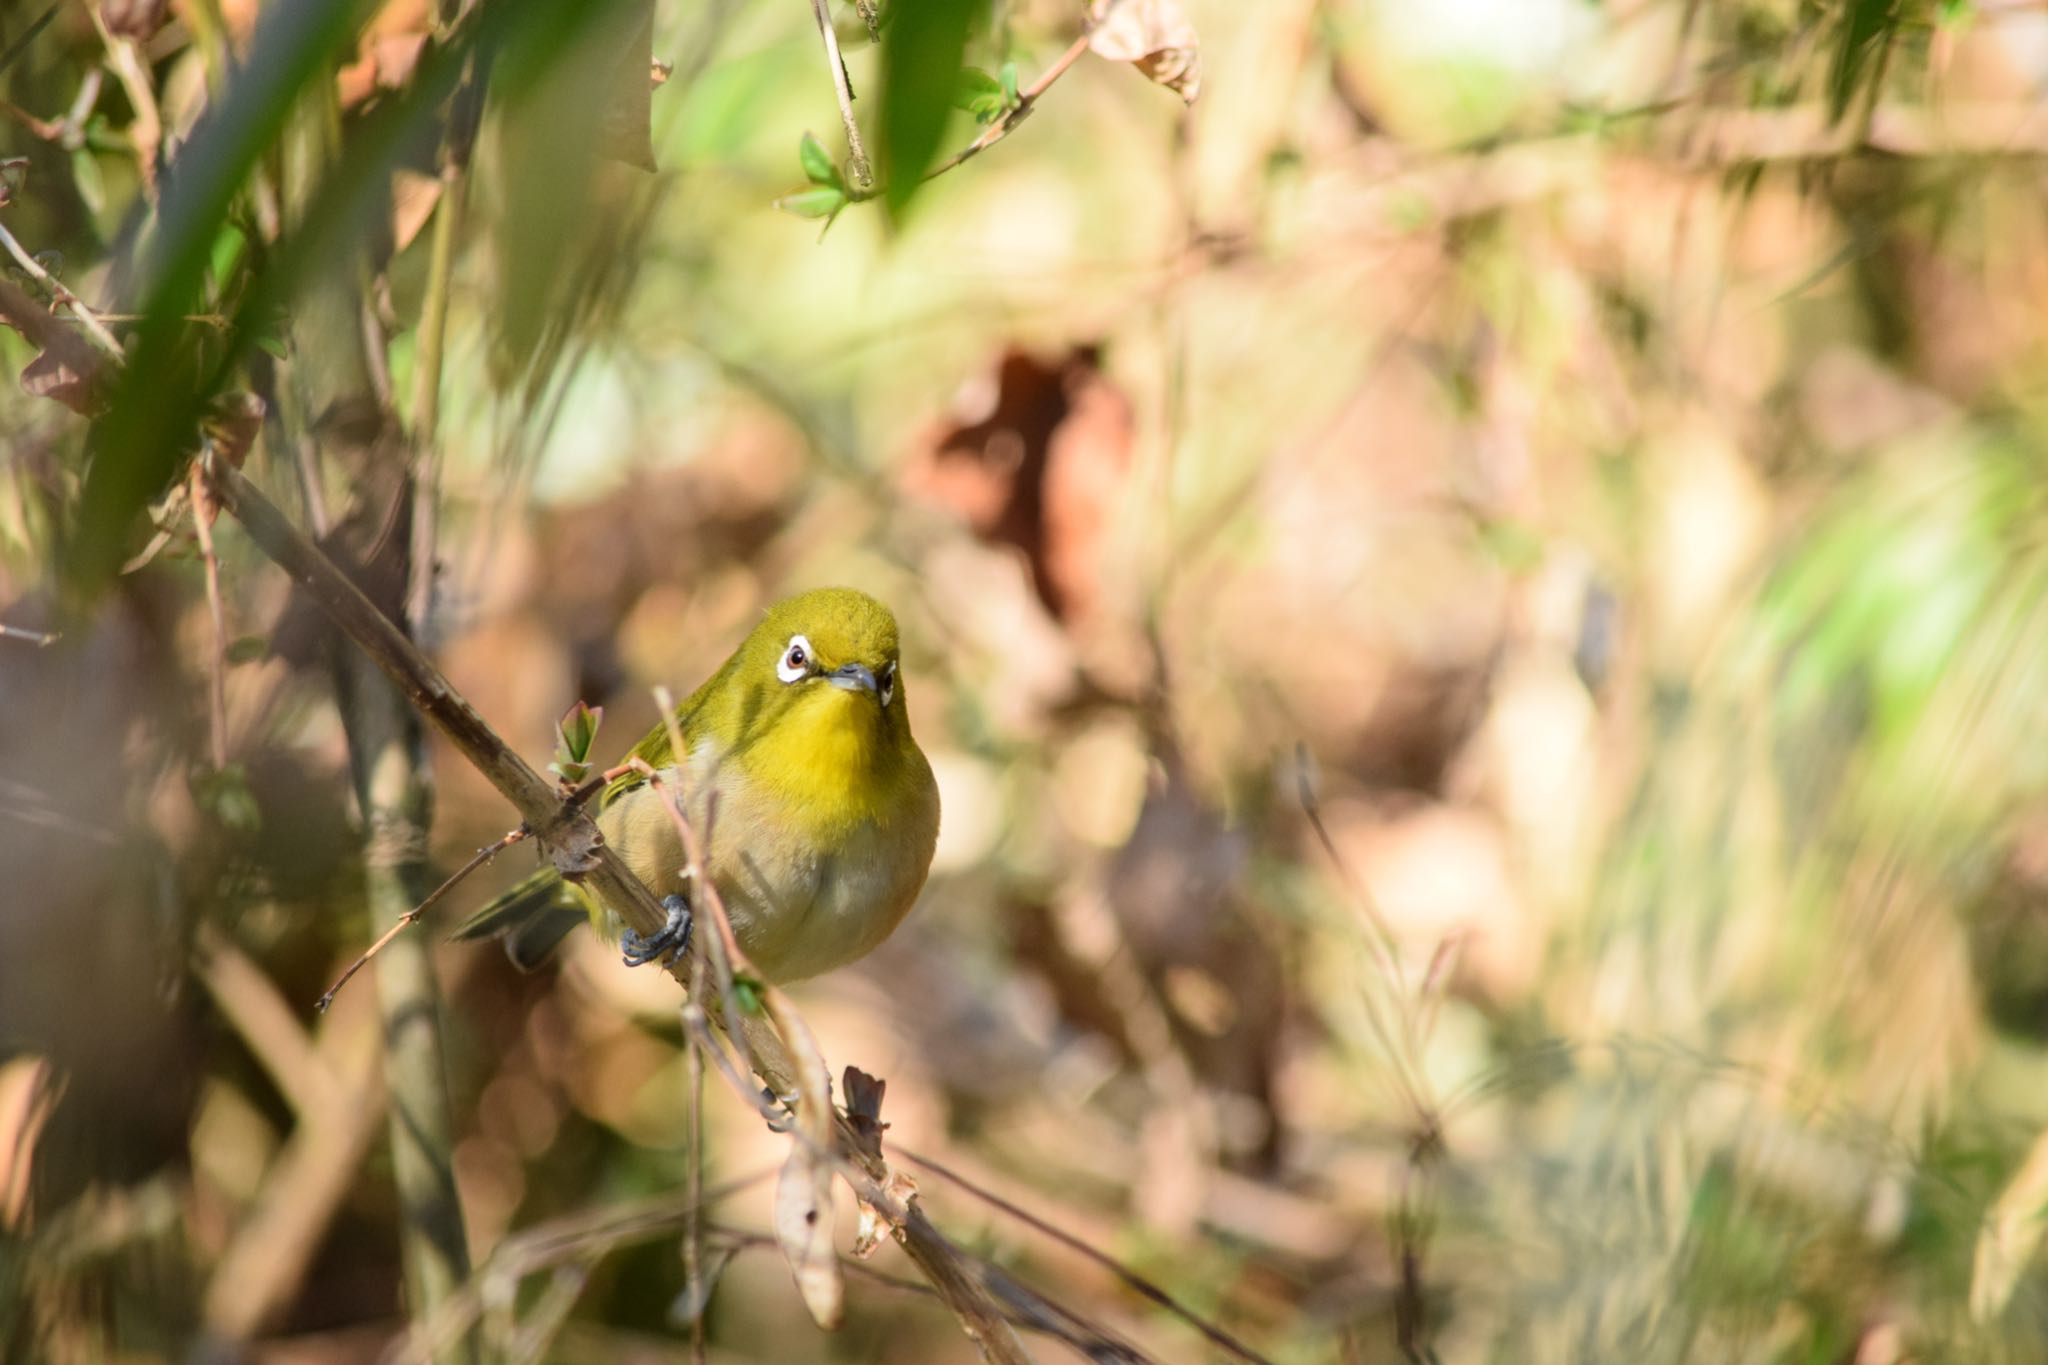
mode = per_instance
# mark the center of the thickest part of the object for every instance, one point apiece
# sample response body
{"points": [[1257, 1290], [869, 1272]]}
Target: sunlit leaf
{"points": [[819, 168], [821, 201]]}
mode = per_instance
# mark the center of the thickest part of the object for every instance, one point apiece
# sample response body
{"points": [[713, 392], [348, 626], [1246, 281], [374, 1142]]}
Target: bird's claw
{"points": [[784, 1122], [670, 943]]}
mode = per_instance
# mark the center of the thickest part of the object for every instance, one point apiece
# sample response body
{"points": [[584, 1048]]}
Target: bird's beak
{"points": [[852, 677]]}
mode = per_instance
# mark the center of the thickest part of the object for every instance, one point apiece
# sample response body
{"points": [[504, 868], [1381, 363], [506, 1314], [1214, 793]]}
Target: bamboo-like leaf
{"points": [[138, 444], [921, 52]]}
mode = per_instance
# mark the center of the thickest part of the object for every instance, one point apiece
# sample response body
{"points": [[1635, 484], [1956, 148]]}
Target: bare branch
{"points": [[411, 917]]}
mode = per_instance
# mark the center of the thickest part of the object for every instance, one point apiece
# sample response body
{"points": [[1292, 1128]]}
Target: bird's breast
{"points": [[810, 889]]}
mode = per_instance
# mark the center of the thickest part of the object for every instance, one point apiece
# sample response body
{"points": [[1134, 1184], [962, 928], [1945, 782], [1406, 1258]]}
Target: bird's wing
{"points": [[654, 749]]}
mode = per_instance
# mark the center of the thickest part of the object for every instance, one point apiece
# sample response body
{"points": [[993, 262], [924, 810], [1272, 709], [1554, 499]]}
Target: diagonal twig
{"points": [[412, 916]]}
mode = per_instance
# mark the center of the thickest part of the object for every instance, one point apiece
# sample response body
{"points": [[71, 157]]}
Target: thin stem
{"points": [[412, 916], [862, 175], [147, 128], [41, 638], [1017, 112]]}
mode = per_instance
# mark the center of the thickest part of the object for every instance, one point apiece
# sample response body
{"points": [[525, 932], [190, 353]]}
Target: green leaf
{"points": [[921, 52], [1009, 74], [981, 95], [822, 201], [819, 168], [746, 993], [1868, 27], [578, 731]]}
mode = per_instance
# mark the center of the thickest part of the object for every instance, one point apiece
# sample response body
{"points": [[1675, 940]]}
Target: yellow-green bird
{"points": [[815, 808]]}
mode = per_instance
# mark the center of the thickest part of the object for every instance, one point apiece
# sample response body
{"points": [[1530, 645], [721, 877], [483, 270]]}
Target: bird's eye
{"points": [[796, 660], [886, 682]]}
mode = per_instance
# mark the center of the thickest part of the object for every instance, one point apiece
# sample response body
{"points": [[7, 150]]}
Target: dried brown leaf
{"points": [[803, 1228], [1152, 35], [69, 369], [48, 376], [803, 1197], [1038, 458]]}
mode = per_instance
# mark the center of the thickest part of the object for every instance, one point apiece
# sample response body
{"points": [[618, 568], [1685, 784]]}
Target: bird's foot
{"points": [[770, 1101], [669, 944]]}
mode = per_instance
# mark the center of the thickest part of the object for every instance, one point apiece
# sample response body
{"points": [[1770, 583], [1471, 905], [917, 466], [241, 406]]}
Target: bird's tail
{"points": [[531, 918]]}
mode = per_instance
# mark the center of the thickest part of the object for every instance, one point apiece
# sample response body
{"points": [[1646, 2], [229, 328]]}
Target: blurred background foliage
{"points": [[1478, 595]]}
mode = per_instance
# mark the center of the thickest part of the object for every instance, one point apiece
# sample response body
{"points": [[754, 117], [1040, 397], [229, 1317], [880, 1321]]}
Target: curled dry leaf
{"points": [[803, 1228], [50, 376], [1152, 35], [69, 369], [803, 1197]]}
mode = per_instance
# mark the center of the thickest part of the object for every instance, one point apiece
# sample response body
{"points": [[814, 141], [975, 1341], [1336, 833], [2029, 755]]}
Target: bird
{"points": [[816, 812]]}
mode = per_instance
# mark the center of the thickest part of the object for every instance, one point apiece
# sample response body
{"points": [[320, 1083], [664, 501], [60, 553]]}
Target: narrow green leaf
{"points": [[821, 201], [1868, 27], [921, 52], [819, 168]]}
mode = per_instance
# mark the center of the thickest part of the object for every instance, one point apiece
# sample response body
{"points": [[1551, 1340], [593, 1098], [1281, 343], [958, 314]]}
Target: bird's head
{"points": [[818, 685]]}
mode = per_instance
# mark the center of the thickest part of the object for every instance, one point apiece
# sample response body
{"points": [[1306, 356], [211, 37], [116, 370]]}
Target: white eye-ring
{"points": [[796, 660], [886, 682]]}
